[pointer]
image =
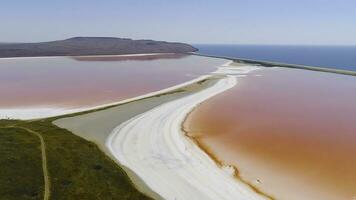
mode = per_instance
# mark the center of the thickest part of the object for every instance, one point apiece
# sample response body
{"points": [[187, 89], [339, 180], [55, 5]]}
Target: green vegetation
{"points": [[77, 168], [21, 168]]}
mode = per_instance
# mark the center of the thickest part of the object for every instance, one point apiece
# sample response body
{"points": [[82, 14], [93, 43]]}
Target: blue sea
{"points": [[339, 57]]}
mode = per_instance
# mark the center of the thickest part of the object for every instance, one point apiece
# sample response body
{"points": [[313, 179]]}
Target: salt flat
{"points": [[154, 146]]}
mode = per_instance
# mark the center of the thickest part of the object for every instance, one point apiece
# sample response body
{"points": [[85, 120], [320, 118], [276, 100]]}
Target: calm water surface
{"points": [[339, 57], [292, 133], [89, 81]]}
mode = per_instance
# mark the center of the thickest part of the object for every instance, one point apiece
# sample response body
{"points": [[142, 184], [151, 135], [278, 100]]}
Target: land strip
{"points": [[278, 64]]}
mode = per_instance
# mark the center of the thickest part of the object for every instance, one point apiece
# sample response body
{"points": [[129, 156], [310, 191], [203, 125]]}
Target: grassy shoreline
{"points": [[20, 161], [77, 168]]}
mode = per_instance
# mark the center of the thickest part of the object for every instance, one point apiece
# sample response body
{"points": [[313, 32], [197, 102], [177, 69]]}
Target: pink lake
{"points": [[291, 133], [73, 82]]}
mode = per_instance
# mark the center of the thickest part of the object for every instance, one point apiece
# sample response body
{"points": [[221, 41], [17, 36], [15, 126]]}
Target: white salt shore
{"points": [[154, 146]]}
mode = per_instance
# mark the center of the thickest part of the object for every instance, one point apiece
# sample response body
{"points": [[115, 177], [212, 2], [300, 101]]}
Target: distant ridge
{"points": [[78, 46]]}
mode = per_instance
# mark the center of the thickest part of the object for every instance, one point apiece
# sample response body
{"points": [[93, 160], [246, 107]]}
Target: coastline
{"points": [[226, 70], [223, 73]]}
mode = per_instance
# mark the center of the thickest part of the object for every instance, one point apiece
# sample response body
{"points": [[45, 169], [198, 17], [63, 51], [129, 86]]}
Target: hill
{"points": [[78, 46]]}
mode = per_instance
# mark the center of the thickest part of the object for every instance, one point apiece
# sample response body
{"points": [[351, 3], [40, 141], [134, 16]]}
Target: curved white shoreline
{"points": [[155, 148]]}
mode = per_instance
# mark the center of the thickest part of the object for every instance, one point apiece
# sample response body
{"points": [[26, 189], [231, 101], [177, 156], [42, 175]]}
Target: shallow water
{"points": [[89, 81], [291, 133]]}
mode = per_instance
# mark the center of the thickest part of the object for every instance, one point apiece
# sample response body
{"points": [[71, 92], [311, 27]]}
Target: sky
{"points": [[280, 22]]}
